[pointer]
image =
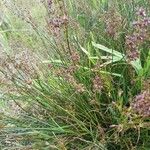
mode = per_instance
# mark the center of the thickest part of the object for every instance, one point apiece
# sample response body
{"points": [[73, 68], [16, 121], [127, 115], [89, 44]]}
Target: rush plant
{"points": [[75, 75]]}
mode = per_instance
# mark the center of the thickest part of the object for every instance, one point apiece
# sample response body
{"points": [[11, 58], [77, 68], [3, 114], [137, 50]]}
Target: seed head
{"points": [[139, 35], [97, 84], [141, 12], [141, 104]]}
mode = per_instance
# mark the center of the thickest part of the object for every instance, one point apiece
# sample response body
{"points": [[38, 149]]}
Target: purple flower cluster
{"points": [[68, 75], [141, 104], [139, 36], [97, 84], [56, 23], [75, 57], [141, 12], [21, 66], [113, 21], [49, 2]]}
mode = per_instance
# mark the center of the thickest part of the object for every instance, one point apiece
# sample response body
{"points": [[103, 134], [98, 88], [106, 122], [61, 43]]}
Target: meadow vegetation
{"points": [[75, 75]]}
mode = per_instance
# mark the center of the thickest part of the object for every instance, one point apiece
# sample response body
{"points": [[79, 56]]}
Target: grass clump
{"points": [[75, 75]]}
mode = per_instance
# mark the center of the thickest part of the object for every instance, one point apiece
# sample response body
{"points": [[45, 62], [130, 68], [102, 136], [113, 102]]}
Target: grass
{"points": [[77, 73]]}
